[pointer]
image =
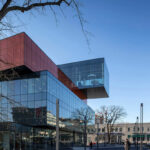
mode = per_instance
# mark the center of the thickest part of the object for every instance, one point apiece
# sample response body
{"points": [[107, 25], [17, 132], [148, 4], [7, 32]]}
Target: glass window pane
{"points": [[0, 87], [4, 88], [38, 96], [37, 85], [17, 87], [31, 85], [24, 103], [24, 97], [43, 83], [38, 104], [31, 104], [10, 87], [17, 98], [30, 97], [24, 86]]}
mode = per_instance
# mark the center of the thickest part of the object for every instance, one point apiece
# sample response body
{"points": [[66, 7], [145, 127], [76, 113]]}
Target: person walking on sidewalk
{"points": [[91, 145], [127, 145]]}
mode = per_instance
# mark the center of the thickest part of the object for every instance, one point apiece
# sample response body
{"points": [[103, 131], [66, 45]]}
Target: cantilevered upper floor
{"points": [[23, 55], [90, 76]]}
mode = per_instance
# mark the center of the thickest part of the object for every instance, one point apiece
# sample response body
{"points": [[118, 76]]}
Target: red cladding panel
{"points": [[12, 52], [20, 50]]}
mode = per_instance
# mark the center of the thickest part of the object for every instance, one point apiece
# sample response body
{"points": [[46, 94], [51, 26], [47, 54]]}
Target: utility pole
{"points": [[141, 126], [137, 129], [57, 124]]}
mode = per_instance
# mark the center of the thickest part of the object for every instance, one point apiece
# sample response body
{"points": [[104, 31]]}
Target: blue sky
{"points": [[120, 33]]}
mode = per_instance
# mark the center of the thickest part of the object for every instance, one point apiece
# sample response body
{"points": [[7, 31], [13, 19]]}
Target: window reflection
{"points": [[17, 84], [4, 88], [24, 86], [31, 104], [37, 85], [10, 87], [31, 97], [31, 86], [85, 74], [32, 100]]}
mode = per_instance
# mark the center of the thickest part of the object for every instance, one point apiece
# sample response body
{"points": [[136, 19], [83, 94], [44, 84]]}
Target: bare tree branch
{"points": [[13, 6], [7, 3], [5, 9], [83, 118], [111, 114]]}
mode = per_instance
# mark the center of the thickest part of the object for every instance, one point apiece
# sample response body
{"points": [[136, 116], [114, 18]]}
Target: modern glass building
{"points": [[30, 84], [90, 76]]}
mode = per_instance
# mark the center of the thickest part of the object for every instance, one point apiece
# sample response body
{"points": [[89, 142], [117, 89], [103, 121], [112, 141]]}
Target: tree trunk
{"points": [[108, 134]]}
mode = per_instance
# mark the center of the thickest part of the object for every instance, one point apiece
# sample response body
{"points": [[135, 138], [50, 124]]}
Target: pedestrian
{"points": [[127, 145], [91, 145]]}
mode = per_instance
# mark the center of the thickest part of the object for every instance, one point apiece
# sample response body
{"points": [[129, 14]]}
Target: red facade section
{"points": [[36, 59], [12, 52], [20, 50]]}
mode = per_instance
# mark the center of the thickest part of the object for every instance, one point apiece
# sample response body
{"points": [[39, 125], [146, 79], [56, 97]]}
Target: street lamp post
{"points": [[141, 126], [85, 134], [97, 132], [136, 131], [57, 124]]}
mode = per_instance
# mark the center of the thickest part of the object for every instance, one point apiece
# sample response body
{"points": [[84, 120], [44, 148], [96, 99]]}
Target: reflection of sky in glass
{"points": [[106, 78], [87, 74], [27, 100]]}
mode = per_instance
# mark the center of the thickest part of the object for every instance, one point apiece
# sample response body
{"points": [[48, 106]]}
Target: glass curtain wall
{"points": [[86, 74], [30, 103]]}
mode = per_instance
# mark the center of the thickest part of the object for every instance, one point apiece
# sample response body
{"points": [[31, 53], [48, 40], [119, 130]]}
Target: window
{"points": [[23, 97], [24, 86], [103, 129], [30, 97], [43, 83], [37, 85], [38, 96], [30, 86], [0, 87], [37, 104], [17, 98], [120, 129], [31, 104], [116, 129], [17, 87], [148, 137], [128, 129], [92, 130], [24, 103], [4, 88], [10, 87]]}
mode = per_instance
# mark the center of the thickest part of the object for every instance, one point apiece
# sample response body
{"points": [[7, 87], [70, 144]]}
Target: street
{"points": [[110, 147]]}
